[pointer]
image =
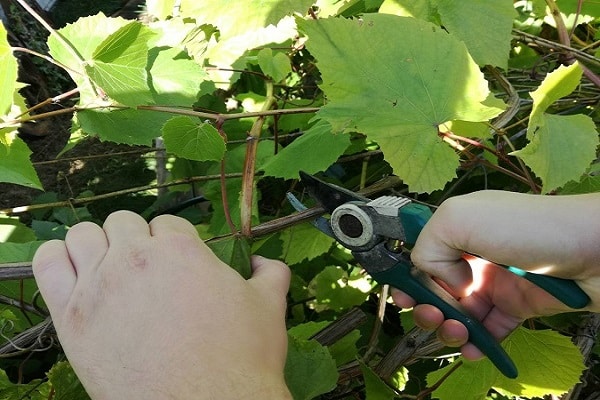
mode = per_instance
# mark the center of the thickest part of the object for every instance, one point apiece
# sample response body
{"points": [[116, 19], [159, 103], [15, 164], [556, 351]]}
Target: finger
{"points": [[453, 333], [86, 244], [402, 300], [428, 317], [123, 226], [54, 274], [167, 224], [273, 275], [470, 352]]}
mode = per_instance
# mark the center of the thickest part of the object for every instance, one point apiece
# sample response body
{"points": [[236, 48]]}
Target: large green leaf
{"points": [[129, 126], [304, 242], [235, 252], [557, 367], [192, 140], [309, 362], [15, 166], [65, 383], [8, 73], [485, 27], [312, 152], [399, 91], [332, 292], [83, 37], [243, 25], [118, 65], [177, 89], [561, 147]]}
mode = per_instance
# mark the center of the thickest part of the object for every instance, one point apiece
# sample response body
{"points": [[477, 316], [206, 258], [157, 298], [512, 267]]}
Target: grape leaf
{"points": [[194, 141], [85, 35], [484, 26], [243, 25], [276, 66], [312, 152], [34, 390], [118, 65], [160, 9], [557, 84], [400, 100], [589, 182], [15, 166], [332, 292], [129, 126], [13, 230], [65, 383], [561, 147], [8, 72], [235, 252], [375, 387], [424, 9], [178, 89], [548, 363], [18, 252], [308, 361], [304, 242]]}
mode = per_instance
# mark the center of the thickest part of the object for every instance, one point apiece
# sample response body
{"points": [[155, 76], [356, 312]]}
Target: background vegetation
{"points": [[209, 109]]}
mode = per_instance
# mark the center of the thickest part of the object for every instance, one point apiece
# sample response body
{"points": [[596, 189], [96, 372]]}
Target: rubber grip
{"points": [[424, 290]]}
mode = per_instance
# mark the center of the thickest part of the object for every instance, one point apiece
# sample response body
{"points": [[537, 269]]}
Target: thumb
{"points": [[273, 275]]}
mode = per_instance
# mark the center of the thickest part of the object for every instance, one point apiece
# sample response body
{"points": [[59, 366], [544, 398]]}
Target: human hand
{"points": [[147, 311], [554, 235]]}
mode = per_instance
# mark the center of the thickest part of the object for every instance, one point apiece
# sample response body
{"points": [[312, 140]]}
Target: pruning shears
{"points": [[379, 231]]}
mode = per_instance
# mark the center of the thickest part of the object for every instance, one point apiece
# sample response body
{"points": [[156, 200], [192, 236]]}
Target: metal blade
{"points": [[328, 195], [320, 223]]}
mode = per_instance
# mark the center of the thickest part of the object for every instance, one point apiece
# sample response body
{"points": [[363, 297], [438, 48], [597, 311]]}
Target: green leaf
{"points": [[118, 65], [423, 9], [407, 90], [129, 126], [176, 89], [34, 390], [276, 66], [561, 147], [556, 85], [235, 252], [8, 72], [13, 230], [548, 363], [484, 26], [589, 182], [160, 9], [332, 291], [18, 252], [342, 351], [375, 387], [192, 140], [85, 35], [243, 25], [304, 242], [15, 166], [312, 152], [308, 361], [65, 383]]}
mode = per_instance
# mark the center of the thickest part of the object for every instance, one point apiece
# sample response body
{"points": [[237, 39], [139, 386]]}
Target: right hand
{"points": [[554, 235]]}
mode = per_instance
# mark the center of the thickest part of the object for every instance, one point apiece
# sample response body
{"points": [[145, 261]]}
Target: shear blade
{"points": [[328, 195], [320, 223]]}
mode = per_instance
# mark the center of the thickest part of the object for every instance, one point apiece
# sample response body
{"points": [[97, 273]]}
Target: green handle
{"points": [[424, 290], [565, 290], [413, 218]]}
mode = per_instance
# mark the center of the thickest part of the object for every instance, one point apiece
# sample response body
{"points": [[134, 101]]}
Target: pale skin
{"points": [[147, 311], [556, 235]]}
